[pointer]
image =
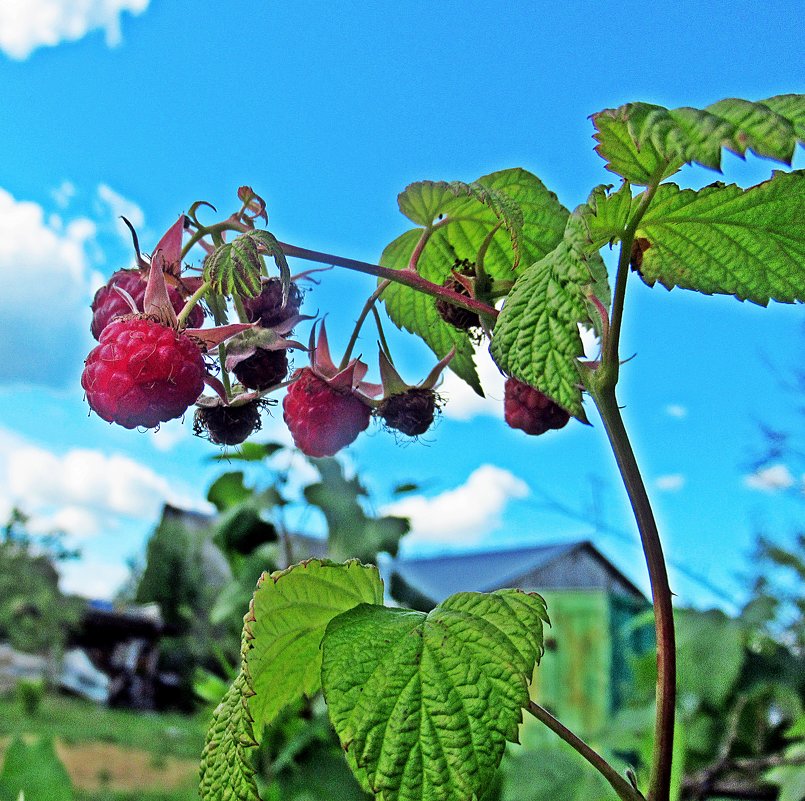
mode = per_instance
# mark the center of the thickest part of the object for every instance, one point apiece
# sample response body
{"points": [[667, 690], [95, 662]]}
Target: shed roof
{"points": [[437, 577]]}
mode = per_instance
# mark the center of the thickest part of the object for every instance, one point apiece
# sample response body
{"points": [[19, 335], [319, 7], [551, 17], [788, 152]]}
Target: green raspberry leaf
{"points": [[281, 662], [726, 240], [235, 267], [509, 216], [416, 312], [643, 142], [424, 704], [226, 769], [536, 337]]}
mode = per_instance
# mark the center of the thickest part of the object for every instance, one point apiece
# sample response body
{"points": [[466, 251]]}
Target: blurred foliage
{"points": [[183, 573], [35, 616], [741, 689], [30, 693], [33, 769]]}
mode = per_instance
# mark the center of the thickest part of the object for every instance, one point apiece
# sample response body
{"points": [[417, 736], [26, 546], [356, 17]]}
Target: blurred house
{"points": [[585, 671]]}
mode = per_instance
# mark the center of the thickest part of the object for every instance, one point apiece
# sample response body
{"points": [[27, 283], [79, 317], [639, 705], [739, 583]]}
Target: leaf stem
{"points": [[618, 783], [406, 277], [660, 781]]}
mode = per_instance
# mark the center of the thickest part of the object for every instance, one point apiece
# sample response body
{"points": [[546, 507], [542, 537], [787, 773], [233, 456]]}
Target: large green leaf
{"points": [[727, 240], [351, 533], [424, 704], [281, 662], [536, 337], [643, 142], [458, 220]]}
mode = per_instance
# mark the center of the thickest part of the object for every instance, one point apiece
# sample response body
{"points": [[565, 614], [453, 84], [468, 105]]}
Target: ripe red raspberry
{"points": [[267, 308], [528, 409], [108, 303], [142, 373], [410, 412], [322, 420]]}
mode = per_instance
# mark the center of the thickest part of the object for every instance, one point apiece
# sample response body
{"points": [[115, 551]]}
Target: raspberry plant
{"points": [[424, 704]]}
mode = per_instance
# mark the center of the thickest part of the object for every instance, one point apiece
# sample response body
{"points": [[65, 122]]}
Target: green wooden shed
{"points": [[584, 675]]}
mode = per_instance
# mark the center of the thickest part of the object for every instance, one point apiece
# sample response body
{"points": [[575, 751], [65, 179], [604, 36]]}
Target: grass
{"points": [[73, 720], [110, 754]]}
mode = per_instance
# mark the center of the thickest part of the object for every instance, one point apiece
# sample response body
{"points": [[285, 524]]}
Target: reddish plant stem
{"points": [[406, 277], [660, 781]]}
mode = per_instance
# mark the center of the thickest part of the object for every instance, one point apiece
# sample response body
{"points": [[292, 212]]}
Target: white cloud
{"points": [[92, 577], [770, 479], [676, 410], [44, 302], [122, 207], [670, 483], [26, 25], [82, 492], [461, 516], [462, 403]]}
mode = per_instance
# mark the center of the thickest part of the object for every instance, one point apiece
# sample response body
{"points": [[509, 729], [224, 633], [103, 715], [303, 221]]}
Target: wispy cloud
{"points": [[676, 410], [63, 194], [26, 25], [461, 516], [773, 478], [44, 304], [670, 483], [121, 206]]}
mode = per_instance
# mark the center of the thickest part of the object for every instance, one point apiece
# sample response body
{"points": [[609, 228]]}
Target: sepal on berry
{"points": [[406, 408], [347, 379]]}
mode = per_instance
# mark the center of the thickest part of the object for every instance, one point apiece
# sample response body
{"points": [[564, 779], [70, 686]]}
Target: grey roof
{"points": [[437, 577]]}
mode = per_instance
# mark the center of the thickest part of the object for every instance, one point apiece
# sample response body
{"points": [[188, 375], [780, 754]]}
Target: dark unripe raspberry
{"points": [[463, 319], [322, 420], [267, 308], [109, 303], [409, 412], [263, 369], [227, 425], [528, 409], [142, 373]]}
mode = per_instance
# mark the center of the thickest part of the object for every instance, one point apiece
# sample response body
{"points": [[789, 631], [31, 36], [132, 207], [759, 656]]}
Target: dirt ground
{"points": [[94, 766]]}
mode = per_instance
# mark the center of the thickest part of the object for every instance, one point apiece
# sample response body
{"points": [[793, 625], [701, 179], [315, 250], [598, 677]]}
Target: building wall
{"points": [[574, 678]]}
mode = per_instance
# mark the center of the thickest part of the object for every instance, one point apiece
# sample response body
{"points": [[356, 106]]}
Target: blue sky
{"points": [[329, 110]]}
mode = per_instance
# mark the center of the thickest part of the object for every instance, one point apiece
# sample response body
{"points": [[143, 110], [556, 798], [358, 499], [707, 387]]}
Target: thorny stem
{"points": [[660, 781], [367, 307], [618, 783]]}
